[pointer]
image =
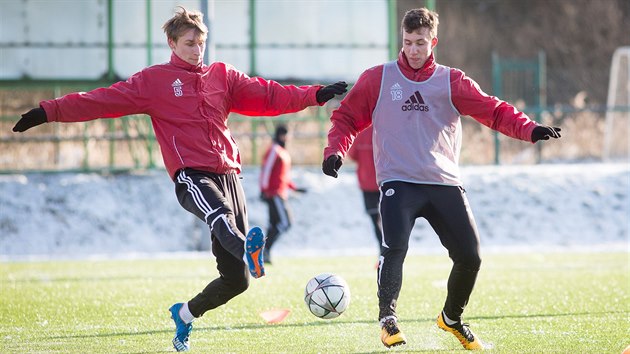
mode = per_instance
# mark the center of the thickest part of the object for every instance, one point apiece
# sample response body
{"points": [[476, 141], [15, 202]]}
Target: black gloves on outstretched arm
{"points": [[325, 93], [332, 165], [542, 132], [32, 118]]}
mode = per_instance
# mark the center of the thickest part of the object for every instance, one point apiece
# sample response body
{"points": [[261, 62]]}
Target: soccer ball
{"points": [[327, 295]]}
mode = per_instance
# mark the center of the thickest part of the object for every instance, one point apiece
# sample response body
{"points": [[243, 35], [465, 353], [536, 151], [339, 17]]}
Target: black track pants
{"points": [[447, 211], [280, 219], [219, 201]]}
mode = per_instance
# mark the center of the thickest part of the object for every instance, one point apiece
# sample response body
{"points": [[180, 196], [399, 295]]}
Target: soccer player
{"points": [[189, 103], [275, 182], [362, 153], [414, 105]]}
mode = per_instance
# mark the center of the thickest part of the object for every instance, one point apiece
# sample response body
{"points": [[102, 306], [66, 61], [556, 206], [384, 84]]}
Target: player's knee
{"points": [[394, 252], [219, 222], [468, 261], [283, 226], [273, 230], [239, 286]]}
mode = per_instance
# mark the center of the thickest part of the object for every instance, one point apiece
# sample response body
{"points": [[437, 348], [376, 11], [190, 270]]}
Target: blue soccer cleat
{"points": [[180, 341], [254, 246]]}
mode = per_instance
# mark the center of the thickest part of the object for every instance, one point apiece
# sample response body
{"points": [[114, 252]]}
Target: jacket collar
{"points": [[180, 63], [416, 74]]}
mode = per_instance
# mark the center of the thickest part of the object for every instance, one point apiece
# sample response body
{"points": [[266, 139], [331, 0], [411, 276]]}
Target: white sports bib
{"points": [[417, 130]]}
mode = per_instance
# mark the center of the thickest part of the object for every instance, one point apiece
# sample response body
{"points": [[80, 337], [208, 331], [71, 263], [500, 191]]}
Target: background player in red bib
{"points": [[275, 182]]}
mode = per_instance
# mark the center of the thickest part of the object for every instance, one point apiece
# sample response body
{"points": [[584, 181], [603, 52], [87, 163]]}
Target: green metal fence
{"points": [[129, 143], [522, 82]]}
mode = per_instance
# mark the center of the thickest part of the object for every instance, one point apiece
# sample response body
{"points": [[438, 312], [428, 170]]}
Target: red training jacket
{"points": [[275, 179], [189, 107], [355, 112], [361, 152]]}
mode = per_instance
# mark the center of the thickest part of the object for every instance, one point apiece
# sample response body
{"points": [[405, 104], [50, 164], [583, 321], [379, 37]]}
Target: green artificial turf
{"points": [[522, 303]]}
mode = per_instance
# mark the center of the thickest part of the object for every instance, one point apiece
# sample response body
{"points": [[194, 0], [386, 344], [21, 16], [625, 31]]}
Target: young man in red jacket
{"points": [[414, 105], [362, 153], [275, 182], [189, 103]]}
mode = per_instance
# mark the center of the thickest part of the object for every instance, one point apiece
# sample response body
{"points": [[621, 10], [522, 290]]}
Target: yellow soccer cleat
{"points": [[391, 335], [463, 333]]}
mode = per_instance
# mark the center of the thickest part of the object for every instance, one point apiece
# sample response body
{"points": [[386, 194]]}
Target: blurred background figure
{"points": [[361, 153], [275, 182]]}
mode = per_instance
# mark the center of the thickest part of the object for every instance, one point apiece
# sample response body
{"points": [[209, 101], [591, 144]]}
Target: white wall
{"points": [[54, 30], [67, 39]]}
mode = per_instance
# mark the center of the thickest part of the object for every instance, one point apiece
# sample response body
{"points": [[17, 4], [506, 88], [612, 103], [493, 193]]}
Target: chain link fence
{"points": [[128, 143]]}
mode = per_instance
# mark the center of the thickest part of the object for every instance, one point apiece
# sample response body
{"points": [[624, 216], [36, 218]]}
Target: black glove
{"points": [[331, 165], [32, 118], [301, 190], [542, 132], [325, 93]]}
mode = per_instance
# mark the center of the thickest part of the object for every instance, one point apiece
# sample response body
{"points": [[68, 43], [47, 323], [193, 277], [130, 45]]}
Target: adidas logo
{"points": [[177, 88], [396, 86], [415, 98], [415, 103]]}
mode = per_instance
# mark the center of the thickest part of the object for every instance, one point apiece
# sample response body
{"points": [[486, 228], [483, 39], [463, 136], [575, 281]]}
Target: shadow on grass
{"points": [[323, 323]]}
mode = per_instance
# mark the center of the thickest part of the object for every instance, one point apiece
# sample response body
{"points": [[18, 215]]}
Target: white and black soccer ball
{"points": [[327, 295]]}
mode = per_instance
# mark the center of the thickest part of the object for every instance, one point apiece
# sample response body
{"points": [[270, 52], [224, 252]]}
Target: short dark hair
{"points": [[183, 21], [281, 130], [417, 18]]}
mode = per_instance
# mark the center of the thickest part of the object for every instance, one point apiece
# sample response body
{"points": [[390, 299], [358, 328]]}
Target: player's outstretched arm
{"points": [[32, 118], [326, 93], [543, 132]]}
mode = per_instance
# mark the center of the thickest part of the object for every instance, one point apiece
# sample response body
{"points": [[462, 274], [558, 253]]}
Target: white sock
{"points": [[384, 319], [185, 315], [448, 320]]}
